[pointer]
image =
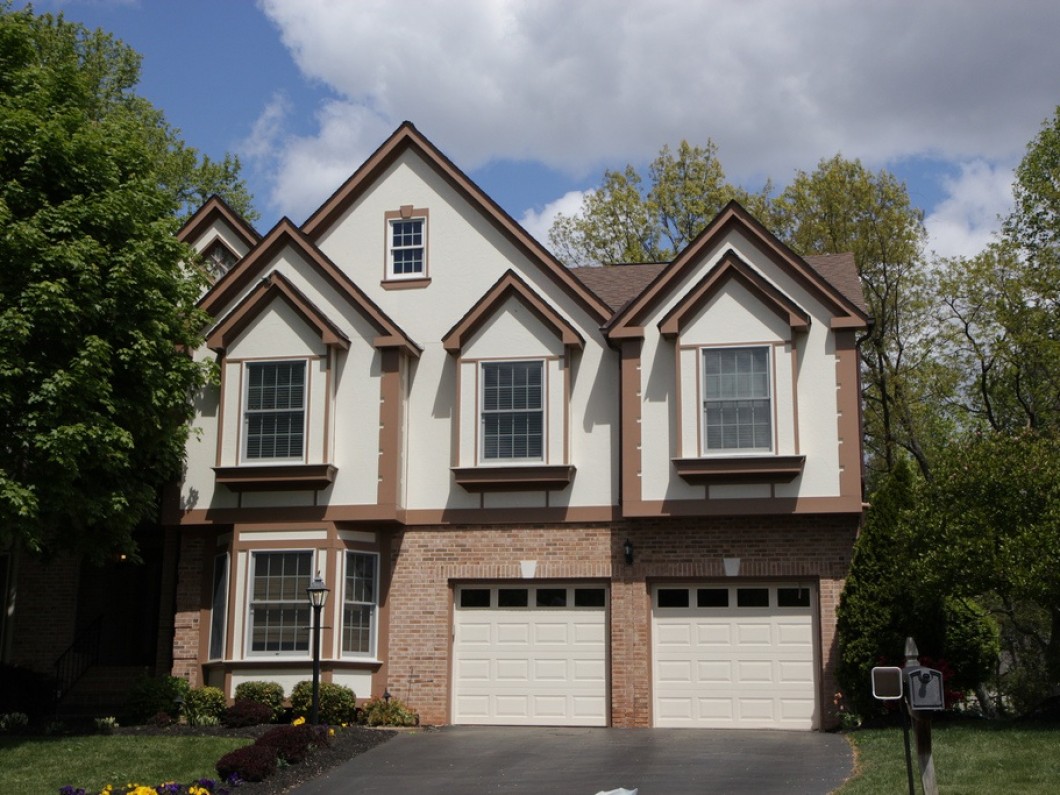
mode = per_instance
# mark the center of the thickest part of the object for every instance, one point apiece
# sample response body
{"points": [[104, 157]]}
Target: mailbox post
{"points": [[920, 689], [924, 693]]}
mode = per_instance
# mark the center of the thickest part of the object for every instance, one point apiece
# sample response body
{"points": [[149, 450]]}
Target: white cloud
{"points": [[537, 223], [968, 218], [777, 85]]}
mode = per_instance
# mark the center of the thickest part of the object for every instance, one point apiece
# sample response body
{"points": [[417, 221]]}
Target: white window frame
{"points": [[770, 397], [373, 606], [246, 457], [483, 412], [298, 599], [392, 247]]}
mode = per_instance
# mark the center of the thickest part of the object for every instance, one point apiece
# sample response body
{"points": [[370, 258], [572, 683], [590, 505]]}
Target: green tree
{"points": [[621, 221], [97, 312], [989, 524], [844, 207], [1034, 224]]}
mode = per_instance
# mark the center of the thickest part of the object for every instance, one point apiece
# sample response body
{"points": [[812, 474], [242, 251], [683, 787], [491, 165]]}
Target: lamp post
{"points": [[318, 595]]}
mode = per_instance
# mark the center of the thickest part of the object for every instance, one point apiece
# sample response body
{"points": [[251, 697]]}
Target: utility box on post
{"points": [[887, 683], [924, 688]]}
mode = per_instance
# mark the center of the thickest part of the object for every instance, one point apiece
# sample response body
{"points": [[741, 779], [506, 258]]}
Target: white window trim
{"points": [[372, 655], [244, 439], [391, 274], [701, 394], [480, 414], [248, 609]]}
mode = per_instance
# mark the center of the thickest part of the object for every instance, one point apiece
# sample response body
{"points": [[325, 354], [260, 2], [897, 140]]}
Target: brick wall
{"points": [[188, 607], [427, 561]]}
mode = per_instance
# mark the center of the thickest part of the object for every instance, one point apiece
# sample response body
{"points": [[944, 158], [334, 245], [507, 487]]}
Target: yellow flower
{"points": [[331, 732], [298, 721]]}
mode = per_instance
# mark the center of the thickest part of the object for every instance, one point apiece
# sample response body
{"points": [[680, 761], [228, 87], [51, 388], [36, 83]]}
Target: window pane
{"points": [[275, 413], [589, 597], [737, 403], [712, 597], [512, 410], [219, 607], [793, 597], [406, 246], [752, 597], [279, 612], [551, 597], [359, 597], [475, 597], [673, 597], [512, 597]]}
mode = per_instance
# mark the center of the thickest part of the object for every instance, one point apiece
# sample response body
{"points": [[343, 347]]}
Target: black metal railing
{"points": [[82, 654]]}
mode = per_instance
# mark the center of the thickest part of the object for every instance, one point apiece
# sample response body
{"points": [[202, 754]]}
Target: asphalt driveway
{"points": [[557, 761]]}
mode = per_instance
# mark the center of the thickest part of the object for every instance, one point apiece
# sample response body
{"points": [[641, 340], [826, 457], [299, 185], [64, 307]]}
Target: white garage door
{"points": [[530, 655], [734, 656]]}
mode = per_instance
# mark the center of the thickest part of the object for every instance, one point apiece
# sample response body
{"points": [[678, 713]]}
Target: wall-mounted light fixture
{"points": [[627, 548]]}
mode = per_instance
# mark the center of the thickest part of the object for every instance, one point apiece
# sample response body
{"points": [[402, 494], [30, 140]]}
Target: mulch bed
{"points": [[346, 744]]}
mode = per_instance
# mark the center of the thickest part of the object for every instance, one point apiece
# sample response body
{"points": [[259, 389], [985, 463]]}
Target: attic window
{"points": [[219, 259], [406, 248]]}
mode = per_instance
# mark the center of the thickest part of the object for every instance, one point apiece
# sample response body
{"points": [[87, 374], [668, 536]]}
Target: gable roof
{"points": [[732, 268], [408, 138], [215, 209], [509, 286], [628, 321], [286, 235], [272, 287]]}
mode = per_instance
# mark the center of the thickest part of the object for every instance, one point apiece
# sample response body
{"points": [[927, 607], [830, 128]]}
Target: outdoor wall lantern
{"points": [[627, 548], [318, 595]]}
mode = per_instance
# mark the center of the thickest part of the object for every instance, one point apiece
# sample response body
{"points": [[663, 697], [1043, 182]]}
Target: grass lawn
{"points": [[980, 758], [41, 765]]}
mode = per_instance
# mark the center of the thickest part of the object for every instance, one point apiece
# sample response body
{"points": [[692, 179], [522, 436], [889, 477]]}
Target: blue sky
{"points": [[535, 99]]}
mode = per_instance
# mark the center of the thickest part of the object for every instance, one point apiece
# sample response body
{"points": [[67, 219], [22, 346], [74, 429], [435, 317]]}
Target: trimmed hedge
{"points": [[249, 763], [294, 743], [246, 713], [268, 693], [338, 704]]}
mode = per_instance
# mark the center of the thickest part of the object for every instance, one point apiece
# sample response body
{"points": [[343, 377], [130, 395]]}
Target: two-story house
{"points": [[620, 495]]}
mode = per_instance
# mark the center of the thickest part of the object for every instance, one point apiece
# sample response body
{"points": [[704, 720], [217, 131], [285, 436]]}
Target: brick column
{"points": [[188, 608]]}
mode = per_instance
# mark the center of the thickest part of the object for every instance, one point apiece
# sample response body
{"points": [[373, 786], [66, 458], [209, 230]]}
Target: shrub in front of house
{"points": [[338, 704], [293, 744], [249, 763], [152, 695], [268, 693], [377, 712], [246, 713], [204, 706]]}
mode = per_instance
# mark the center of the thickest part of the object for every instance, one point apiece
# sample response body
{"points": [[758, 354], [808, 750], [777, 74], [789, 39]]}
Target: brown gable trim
{"points": [[728, 268], [408, 137], [509, 286], [214, 208], [626, 322], [286, 234], [274, 286]]}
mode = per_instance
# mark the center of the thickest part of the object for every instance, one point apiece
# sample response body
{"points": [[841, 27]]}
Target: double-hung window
{"points": [[360, 601], [407, 247], [279, 609], [737, 402], [513, 415], [274, 419]]}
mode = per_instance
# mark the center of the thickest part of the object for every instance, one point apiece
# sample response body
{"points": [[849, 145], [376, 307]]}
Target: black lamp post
{"points": [[318, 595]]}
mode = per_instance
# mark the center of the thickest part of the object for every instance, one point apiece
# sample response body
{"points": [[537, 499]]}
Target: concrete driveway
{"points": [[557, 761]]}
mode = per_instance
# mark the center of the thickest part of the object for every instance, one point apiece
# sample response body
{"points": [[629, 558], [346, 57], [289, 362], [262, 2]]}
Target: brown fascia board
{"points": [[627, 322], [408, 137], [216, 207], [509, 285], [274, 286], [286, 234], [730, 266]]}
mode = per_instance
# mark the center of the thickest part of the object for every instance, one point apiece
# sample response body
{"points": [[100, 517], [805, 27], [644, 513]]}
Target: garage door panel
{"points": [[741, 667], [530, 665]]}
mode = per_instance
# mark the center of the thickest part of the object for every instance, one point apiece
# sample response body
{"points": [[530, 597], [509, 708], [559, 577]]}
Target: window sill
{"points": [[531, 477], [406, 284], [749, 469], [282, 477]]}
